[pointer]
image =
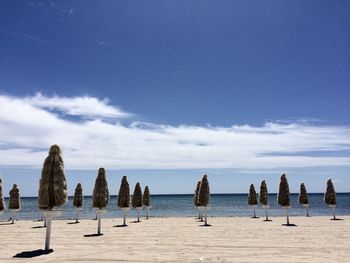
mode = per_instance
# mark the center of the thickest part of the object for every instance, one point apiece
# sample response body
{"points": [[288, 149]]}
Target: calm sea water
{"points": [[181, 205]]}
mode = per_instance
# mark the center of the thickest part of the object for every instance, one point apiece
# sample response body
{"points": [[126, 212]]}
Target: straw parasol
{"points": [[53, 185], [123, 201], [100, 196], [52, 188], [78, 201], [330, 197], [195, 199], [146, 200], [2, 203], [137, 200], [264, 198], [14, 202], [252, 199], [304, 198], [284, 196], [204, 197]]}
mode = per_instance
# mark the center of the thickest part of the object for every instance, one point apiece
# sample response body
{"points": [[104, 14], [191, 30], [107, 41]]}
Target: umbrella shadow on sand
{"points": [[72, 223], [336, 219], [93, 235], [289, 225], [33, 253], [204, 225], [35, 227]]}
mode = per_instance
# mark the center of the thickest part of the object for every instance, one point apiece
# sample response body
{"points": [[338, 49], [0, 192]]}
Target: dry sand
{"points": [[235, 239]]}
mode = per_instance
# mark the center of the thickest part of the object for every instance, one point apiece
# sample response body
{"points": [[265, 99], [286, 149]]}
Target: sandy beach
{"points": [[229, 239]]}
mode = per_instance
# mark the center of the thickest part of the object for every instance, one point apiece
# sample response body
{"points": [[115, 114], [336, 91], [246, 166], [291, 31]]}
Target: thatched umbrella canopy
{"points": [[264, 195], [52, 188], [14, 202], [204, 197], [284, 196], [100, 196], [195, 199], [146, 200], [284, 193], [330, 197], [146, 197], [124, 193], [252, 199], [137, 200], [53, 185], [137, 196], [123, 201], [304, 198], [204, 192], [264, 198], [2, 203], [196, 194], [78, 199]]}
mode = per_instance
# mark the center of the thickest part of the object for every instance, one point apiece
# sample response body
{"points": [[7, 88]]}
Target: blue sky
{"points": [[165, 91]]}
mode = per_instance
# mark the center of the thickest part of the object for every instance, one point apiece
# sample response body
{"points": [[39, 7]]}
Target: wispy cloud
{"points": [[68, 11], [24, 35], [31, 124]]}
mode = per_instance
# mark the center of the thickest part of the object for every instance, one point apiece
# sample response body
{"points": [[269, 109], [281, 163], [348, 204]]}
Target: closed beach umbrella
{"points": [[304, 198], [195, 199], [123, 201], [53, 185], [137, 200], [78, 200], [204, 197], [284, 196], [252, 199], [330, 197], [52, 188], [100, 196], [2, 203], [14, 202], [146, 200], [264, 198]]}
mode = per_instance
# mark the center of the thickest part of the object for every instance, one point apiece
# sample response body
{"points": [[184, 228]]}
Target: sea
{"points": [[181, 205]]}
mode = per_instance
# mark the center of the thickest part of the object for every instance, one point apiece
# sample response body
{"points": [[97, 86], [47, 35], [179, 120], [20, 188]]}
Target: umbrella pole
{"points": [[125, 211], [138, 214], [205, 217], [45, 225], [48, 232], [146, 212], [287, 210], [267, 215], [333, 208], [254, 212], [13, 214], [307, 211], [76, 216], [99, 224]]}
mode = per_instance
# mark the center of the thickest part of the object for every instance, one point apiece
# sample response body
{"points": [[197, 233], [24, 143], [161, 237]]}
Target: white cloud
{"points": [[28, 128], [78, 106]]}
